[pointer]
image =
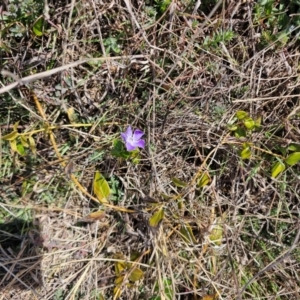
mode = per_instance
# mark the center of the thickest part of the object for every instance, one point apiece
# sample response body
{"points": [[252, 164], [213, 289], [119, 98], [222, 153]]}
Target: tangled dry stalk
{"points": [[107, 64]]}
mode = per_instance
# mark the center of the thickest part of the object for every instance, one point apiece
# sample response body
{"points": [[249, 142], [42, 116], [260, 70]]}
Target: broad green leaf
{"points": [[136, 275], [119, 280], [178, 182], [216, 234], [187, 234], [203, 180], [101, 188], [17, 147], [11, 136], [241, 115], [20, 149], [249, 123], [245, 153], [293, 158], [119, 150], [277, 168], [157, 217], [38, 27], [240, 132], [294, 147]]}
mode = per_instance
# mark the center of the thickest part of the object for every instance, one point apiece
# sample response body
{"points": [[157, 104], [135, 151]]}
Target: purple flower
{"points": [[133, 140]]}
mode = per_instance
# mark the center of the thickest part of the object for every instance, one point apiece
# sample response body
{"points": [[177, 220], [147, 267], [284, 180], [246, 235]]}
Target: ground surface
{"points": [[209, 209]]}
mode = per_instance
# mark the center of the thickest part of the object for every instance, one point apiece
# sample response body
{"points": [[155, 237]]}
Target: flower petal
{"points": [[137, 134], [127, 134], [124, 136], [130, 146], [128, 131], [140, 144]]}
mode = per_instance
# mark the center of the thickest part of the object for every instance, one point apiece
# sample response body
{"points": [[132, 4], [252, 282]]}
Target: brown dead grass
{"points": [[182, 96]]}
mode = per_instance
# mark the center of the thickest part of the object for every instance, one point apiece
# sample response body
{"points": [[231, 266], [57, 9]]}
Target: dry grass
{"points": [[235, 238]]}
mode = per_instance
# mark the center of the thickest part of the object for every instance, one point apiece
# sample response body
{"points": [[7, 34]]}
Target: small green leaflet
{"points": [[17, 147], [277, 168], [249, 123], [241, 115], [11, 136], [38, 27], [245, 153], [293, 158], [294, 147], [136, 275], [240, 132], [101, 188], [157, 217]]}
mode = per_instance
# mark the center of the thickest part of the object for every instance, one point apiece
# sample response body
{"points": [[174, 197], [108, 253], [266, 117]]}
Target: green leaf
{"points": [[241, 115], [293, 158], [136, 275], [187, 234], [157, 217], [135, 156], [240, 132], [101, 188], [11, 136], [277, 168], [294, 147], [203, 180], [32, 145], [24, 141], [38, 27], [17, 147], [282, 150], [178, 182], [13, 145], [249, 123], [245, 153], [20, 149], [119, 150], [120, 264]]}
